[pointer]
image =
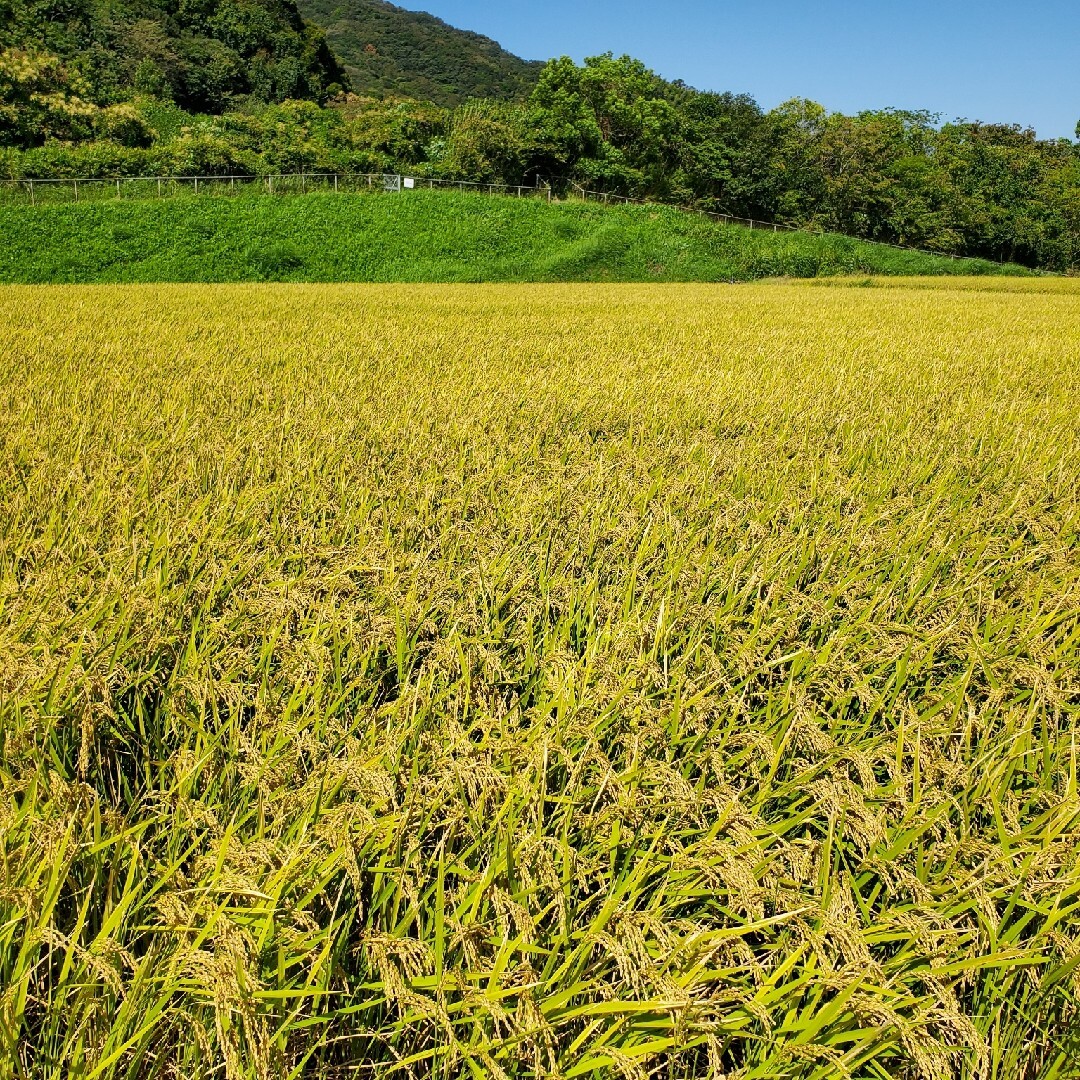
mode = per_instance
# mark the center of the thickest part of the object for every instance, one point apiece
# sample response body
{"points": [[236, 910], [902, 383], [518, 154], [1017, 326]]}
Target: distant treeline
{"points": [[988, 190]]}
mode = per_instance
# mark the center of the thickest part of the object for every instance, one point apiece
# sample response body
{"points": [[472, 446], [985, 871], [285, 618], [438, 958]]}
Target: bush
{"points": [[92, 160], [123, 124]]}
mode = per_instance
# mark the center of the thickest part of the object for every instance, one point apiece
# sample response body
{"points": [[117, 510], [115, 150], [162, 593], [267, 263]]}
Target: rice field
{"points": [[563, 681]]}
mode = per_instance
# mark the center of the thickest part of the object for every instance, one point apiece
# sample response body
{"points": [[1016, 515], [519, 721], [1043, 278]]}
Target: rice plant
{"points": [[579, 681]]}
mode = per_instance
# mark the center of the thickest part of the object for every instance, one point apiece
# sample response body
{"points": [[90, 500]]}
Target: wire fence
{"points": [[749, 223], [607, 198], [37, 191]]}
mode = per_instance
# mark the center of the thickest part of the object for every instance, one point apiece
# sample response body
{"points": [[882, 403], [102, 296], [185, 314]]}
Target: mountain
{"points": [[389, 51], [203, 54]]}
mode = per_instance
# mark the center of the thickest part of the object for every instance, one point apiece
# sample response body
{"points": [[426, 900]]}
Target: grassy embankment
{"points": [[575, 682], [415, 237]]}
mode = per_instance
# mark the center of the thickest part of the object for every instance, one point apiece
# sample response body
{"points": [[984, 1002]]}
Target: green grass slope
{"points": [[418, 236], [388, 50]]}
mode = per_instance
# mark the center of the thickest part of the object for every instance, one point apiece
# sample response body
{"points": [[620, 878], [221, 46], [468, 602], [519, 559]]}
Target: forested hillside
{"points": [[389, 51], [206, 55]]}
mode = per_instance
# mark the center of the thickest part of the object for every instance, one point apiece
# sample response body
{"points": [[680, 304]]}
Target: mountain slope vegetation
{"points": [[389, 51], [205, 55]]}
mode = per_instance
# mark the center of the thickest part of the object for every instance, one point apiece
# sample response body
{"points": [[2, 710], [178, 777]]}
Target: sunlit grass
{"points": [[571, 681], [420, 236]]}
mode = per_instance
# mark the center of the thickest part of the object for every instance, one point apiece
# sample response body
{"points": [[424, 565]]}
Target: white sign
{"points": [[409, 182]]}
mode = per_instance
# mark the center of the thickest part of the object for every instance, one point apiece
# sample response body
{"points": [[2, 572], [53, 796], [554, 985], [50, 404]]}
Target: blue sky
{"points": [[994, 61]]}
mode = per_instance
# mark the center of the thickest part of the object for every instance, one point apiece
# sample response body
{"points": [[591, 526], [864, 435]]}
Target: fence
{"points": [[36, 191], [729, 219]]}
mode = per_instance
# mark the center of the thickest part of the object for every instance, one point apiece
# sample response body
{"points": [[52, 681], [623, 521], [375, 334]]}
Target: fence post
{"points": [[303, 184], [196, 185], [76, 190], [335, 183], [118, 189], [159, 187], [33, 201]]}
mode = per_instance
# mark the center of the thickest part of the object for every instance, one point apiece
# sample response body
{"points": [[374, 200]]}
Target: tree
{"points": [[40, 99], [607, 121], [486, 143], [714, 166]]}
